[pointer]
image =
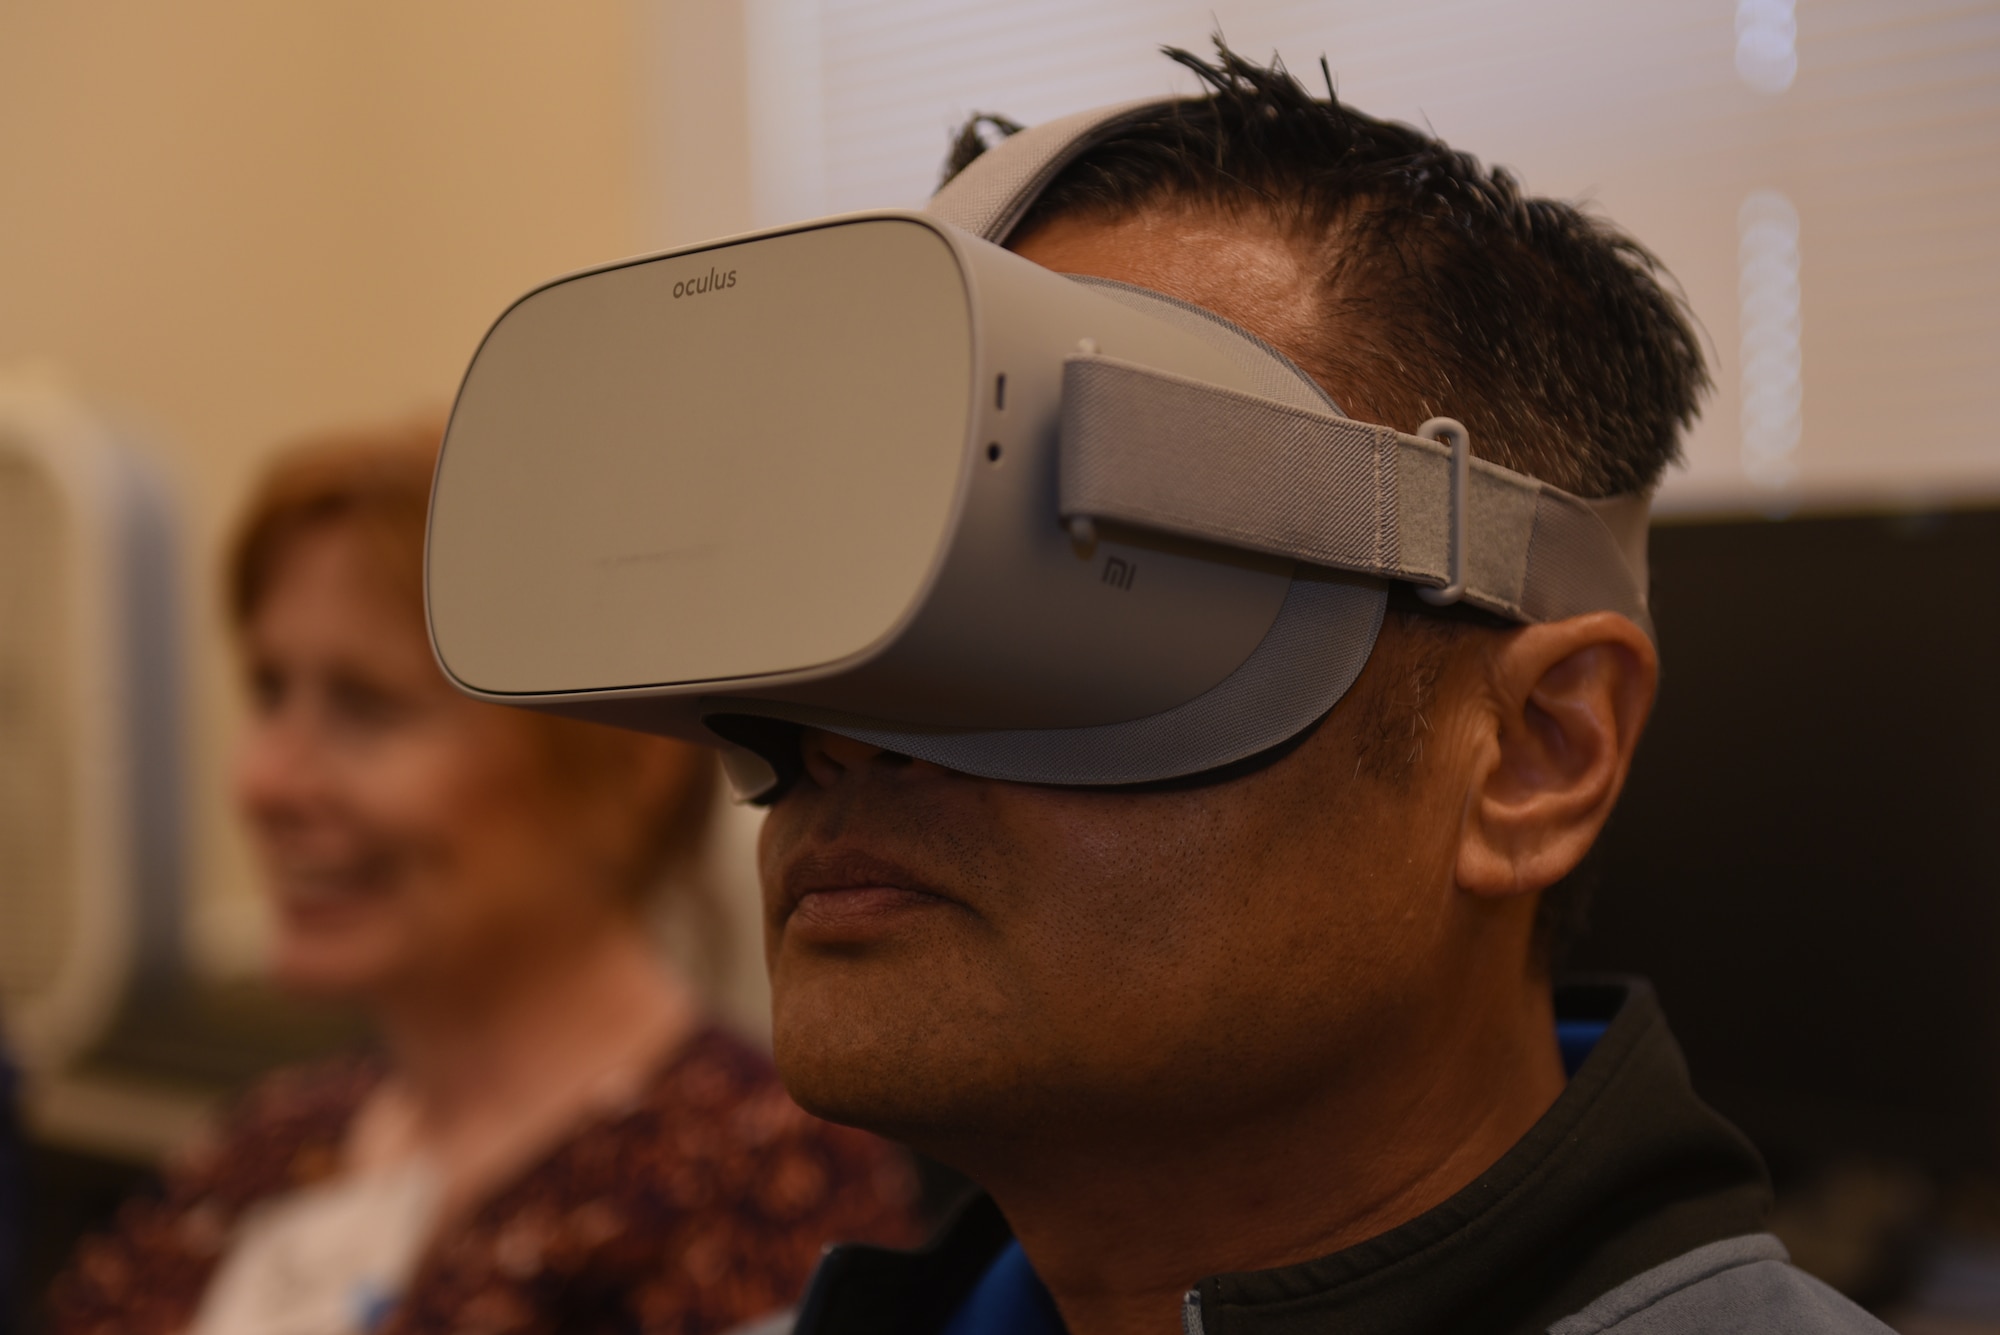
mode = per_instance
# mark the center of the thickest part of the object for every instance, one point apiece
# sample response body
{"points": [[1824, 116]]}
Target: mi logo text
{"points": [[1119, 573]]}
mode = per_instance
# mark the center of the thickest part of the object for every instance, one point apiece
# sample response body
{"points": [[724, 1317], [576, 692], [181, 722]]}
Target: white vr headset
{"points": [[876, 474]]}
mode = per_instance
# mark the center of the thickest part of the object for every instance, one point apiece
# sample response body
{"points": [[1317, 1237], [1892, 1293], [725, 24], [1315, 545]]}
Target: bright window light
{"points": [[1767, 44], [1767, 229], [1659, 113]]}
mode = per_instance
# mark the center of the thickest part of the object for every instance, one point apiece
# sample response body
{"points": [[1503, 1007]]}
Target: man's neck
{"points": [[1120, 1225]]}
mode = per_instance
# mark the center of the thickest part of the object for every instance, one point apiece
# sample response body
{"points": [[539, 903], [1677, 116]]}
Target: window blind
{"points": [[1822, 176]]}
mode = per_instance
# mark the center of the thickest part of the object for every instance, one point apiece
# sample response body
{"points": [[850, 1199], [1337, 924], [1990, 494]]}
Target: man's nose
{"points": [[829, 757]]}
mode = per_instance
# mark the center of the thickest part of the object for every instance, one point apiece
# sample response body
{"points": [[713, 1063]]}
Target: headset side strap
{"points": [[1165, 452]]}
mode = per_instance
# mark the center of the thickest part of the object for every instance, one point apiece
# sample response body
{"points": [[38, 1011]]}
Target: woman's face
{"points": [[412, 840]]}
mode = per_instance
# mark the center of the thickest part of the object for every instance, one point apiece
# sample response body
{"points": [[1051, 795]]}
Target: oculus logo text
{"points": [[709, 282]]}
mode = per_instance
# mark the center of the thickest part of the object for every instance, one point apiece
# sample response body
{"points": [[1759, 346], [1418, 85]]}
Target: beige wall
{"points": [[236, 221]]}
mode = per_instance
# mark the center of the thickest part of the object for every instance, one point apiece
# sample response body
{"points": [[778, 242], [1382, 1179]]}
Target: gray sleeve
{"points": [[1745, 1284]]}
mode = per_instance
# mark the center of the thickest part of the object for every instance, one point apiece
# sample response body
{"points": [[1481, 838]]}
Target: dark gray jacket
{"points": [[1629, 1207]]}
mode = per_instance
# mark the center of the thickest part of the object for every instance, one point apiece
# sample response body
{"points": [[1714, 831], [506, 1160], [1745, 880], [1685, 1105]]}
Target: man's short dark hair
{"points": [[1558, 341], [1549, 333]]}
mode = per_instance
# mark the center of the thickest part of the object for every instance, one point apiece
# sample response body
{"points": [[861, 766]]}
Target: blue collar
{"points": [[1575, 1039], [1008, 1300]]}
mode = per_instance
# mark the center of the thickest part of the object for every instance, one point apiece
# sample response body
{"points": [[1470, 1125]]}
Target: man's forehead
{"points": [[1242, 269]]}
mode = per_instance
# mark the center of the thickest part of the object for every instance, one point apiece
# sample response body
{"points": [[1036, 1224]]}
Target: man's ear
{"points": [[1570, 699]]}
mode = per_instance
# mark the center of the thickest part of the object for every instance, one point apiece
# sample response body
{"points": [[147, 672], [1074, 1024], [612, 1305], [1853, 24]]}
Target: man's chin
{"points": [[906, 1077]]}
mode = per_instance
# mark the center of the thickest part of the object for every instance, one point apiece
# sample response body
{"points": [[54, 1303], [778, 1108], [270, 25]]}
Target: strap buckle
{"points": [[1452, 432]]}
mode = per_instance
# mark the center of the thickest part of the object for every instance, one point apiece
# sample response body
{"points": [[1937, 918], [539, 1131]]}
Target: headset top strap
{"points": [[996, 190]]}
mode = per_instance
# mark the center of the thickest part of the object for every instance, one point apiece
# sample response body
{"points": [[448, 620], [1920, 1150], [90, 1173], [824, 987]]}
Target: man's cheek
{"points": [[1157, 878]]}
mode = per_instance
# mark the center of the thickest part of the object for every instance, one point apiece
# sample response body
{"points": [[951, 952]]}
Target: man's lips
{"points": [[848, 893]]}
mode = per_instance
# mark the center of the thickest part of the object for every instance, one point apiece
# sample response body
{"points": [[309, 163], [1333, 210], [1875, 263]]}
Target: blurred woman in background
{"points": [[554, 1137]]}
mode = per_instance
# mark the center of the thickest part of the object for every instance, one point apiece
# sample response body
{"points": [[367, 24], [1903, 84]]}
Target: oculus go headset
{"points": [[878, 475]]}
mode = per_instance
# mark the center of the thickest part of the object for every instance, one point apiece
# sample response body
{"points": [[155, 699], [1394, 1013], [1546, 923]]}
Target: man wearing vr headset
{"points": [[1229, 982], [1274, 1048]]}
